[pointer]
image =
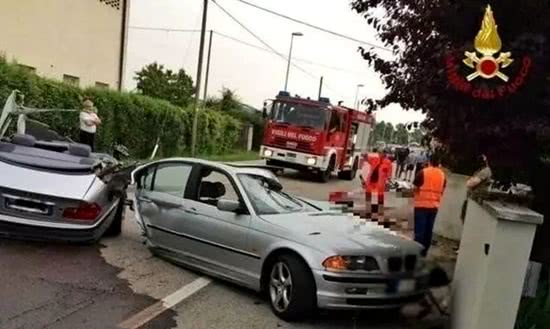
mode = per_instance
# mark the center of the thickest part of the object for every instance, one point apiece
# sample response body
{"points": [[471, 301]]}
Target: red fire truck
{"points": [[315, 136]]}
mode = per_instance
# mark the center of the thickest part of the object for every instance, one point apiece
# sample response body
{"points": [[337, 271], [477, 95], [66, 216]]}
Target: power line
{"points": [[260, 39], [248, 44], [313, 26], [298, 59], [269, 46]]}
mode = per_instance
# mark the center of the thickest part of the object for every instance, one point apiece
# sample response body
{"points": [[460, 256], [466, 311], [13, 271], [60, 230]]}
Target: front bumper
{"points": [[293, 159], [20, 228], [346, 291]]}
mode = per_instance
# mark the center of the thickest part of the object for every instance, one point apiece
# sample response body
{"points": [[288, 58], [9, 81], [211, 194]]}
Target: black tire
{"points": [[116, 226], [302, 300], [325, 176], [349, 174]]}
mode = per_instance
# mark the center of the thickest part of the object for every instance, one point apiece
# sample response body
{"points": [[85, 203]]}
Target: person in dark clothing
{"points": [[401, 154], [430, 182]]}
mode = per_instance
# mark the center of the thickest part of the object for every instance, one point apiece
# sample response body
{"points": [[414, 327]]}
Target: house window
{"points": [[27, 68], [101, 85], [70, 79]]}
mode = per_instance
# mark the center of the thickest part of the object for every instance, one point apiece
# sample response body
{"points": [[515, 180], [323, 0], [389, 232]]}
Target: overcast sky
{"points": [[254, 74]]}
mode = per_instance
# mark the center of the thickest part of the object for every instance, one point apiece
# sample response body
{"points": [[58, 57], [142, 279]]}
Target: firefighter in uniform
{"points": [[429, 185], [377, 170]]}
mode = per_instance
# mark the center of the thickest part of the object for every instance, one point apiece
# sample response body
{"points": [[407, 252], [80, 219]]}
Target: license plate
{"points": [[291, 156], [20, 204], [405, 286]]}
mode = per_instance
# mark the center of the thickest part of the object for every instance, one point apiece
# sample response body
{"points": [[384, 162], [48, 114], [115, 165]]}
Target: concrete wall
{"points": [[81, 38], [448, 223]]}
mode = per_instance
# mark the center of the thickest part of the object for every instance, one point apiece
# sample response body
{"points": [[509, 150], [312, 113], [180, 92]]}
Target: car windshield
{"points": [[269, 201], [299, 115]]}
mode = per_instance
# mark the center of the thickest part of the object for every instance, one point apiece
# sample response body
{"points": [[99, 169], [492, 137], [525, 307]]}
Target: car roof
{"points": [[235, 169]]}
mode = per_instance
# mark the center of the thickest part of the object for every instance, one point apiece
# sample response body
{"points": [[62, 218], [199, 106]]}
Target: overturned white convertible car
{"points": [[52, 188]]}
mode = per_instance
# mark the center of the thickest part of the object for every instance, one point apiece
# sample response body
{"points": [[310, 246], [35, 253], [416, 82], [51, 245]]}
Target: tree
{"points": [[514, 129], [230, 103], [511, 125], [401, 135], [156, 81]]}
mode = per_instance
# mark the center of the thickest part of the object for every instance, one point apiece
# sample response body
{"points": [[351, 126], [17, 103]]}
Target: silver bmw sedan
{"points": [[238, 224]]}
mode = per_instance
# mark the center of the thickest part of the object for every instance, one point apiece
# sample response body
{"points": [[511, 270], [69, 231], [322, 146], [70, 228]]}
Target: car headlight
{"points": [[268, 153], [311, 161], [351, 263]]}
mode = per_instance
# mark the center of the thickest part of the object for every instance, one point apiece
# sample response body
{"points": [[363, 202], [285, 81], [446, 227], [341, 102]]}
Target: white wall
{"points": [[448, 223], [77, 37]]}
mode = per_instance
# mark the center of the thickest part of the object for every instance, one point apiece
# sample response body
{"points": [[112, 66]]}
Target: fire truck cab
{"points": [[315, 136]]}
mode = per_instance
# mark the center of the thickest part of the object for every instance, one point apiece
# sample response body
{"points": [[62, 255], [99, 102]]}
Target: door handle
{"points": [[191, 210]]}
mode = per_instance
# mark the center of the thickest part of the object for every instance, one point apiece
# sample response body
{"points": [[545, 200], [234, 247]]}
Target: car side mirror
{"points": [[264, 110], [229, 206]]}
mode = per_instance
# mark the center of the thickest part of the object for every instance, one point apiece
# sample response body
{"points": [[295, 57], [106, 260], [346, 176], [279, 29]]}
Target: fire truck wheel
{"points": [[349, 174], [324, 176]]}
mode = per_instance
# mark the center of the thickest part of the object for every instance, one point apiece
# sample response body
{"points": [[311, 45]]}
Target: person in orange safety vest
{"points": [[429, 185], [376, 171]]}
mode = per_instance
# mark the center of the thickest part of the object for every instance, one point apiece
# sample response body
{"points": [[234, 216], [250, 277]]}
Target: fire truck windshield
{"points": [[299, 115]]}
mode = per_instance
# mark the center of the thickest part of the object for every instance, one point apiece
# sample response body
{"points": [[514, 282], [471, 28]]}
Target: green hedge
{"points": [[130, 119]]}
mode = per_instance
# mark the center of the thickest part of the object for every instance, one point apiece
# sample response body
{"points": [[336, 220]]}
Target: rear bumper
{"points": [[336, 291], [13, 227]]}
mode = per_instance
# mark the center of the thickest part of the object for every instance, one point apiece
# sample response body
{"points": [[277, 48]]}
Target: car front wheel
{"points": [[291, 288]]}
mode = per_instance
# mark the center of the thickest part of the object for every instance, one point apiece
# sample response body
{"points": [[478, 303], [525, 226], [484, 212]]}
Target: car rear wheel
{"points": [[116, 226], [291, 289]]}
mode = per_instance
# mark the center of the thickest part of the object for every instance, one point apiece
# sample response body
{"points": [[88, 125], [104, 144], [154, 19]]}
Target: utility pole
{"points": [[294, 34], [320, 87], [208, 66], [198, 81]]}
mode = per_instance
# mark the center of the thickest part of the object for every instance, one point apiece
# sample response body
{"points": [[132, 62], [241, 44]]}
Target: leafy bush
{"points": [[230, 104], [133, 120]]}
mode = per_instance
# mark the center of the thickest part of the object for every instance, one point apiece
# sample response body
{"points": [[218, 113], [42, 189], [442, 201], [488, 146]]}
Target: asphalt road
{"points": [[119, 282]]}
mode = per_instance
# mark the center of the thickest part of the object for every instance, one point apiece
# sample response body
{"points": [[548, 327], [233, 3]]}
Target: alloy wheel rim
{"points": [[280, 287]]}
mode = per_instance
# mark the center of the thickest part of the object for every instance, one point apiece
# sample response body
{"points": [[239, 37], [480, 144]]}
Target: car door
{"points": [[160, 202], [223, 235]]}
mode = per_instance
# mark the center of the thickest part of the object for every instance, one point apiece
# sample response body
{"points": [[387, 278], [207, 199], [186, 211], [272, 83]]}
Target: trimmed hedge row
{"points": [[130, 119]]}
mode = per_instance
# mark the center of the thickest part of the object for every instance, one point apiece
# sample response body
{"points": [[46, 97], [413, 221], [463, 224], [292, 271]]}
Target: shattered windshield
{"points": [[269, 201], [299, 115]]}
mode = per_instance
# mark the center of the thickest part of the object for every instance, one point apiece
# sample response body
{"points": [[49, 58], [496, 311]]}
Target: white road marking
{"points": [[168, 302]]}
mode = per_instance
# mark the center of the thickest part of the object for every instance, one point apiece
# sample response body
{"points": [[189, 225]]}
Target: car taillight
{"points": [[85, 211]]}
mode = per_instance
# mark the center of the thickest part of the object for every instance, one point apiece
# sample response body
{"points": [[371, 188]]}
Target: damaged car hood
{"points": [[342, 232]]}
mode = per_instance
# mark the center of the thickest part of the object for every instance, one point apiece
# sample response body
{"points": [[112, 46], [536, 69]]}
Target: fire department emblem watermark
{"points": [[488, 63], [488, 43]]}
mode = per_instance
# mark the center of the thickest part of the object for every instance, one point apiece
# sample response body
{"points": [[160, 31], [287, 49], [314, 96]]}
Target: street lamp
{"points": [[359, 86], [295, 34]]}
